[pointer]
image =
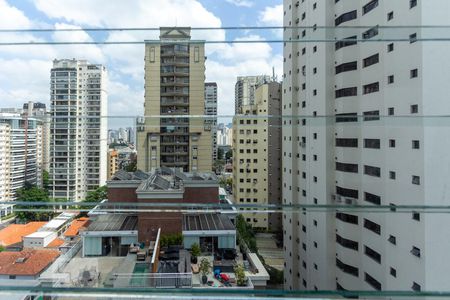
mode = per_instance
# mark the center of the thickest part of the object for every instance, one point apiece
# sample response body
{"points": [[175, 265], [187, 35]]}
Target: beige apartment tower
{"points": [[257, 155], [173, 132]]}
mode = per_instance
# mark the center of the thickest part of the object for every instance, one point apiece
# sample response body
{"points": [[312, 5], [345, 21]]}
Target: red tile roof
{"points": [[14, 233], [55, 243], [35, 261], [75, 227]]}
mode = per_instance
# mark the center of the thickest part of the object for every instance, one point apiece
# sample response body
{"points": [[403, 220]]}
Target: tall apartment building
{"points": [[358, 156], [244, 90], [257, 155], [78, 128], [174, 90], [113, 163], [211, 110], [38, 110], [21, 144]]}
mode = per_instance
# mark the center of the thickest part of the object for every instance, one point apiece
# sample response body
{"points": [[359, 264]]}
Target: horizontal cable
{"points": [[216, 28], [31, 43]]}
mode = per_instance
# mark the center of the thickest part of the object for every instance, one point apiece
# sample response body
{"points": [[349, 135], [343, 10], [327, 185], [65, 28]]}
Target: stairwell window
{"points": [[412, 3], [415, 251], [414, 73], [415, 180]]}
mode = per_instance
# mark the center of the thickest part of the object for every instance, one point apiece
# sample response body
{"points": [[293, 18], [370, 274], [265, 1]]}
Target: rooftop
{"points": [[14, 233], [56, 243], [206, 222], [76, 226], [40, 234], [28, 262], [113, 222]]}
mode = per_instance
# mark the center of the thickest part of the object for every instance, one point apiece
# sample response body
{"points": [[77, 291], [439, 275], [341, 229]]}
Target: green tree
{"points": [[33, 212], [219, 153], [45, 179], [2, 248], [97, 195], [131, 167]]}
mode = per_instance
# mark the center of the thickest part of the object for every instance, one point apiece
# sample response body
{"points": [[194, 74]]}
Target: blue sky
{"points": [[25, 70]]}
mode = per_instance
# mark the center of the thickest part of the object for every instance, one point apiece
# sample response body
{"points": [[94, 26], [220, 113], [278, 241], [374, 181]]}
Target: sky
{"points": [[25, 70]]}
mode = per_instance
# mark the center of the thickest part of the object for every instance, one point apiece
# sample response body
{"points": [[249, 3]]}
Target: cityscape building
{"points": [[245, 90], [349, 144], [78, 150], [174, 90], [257, 155], [211, 110]]}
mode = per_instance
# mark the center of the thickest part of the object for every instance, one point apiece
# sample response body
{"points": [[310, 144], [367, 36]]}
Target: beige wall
{"points": [[260, 168]]}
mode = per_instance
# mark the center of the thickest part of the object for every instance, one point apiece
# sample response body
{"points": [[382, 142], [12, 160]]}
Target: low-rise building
{"points": [[27, 264], [11, 237]]}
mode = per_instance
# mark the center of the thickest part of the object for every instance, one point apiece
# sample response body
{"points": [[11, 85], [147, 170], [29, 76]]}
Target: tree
{"points": [[229, 154], [131, 167], [45, 179], [97, 195], [31, 193], [219, 153]]}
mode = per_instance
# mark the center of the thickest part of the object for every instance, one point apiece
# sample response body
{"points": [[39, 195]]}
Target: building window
{"points": [[347, 218], [346, 92], [372, 254], [196, 54], [392, 239], [350, 143], [414, 73], [350, 193], [416, 216], [346, 117], [390, 15], [372, 198], [349, 41], [369, 6], [372, 282], [416, 287], [390, 47], [372, 226], [345, 167], [415, 144], [412, 3], [415, 251], [392, 175], [373, 115], [415, 180], [391, 143], [414, 109], [370, 33], [372, 143], [390, 79], [372, 171], [390, 111], [347, 268], [371, 88], [413, 38], [348, 16], [346, 67], [346, 243], [371, 60]]}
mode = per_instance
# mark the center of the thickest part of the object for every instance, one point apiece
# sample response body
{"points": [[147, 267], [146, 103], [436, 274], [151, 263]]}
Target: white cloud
{"points": [[272, 15], [125, 63], [241, 3]]}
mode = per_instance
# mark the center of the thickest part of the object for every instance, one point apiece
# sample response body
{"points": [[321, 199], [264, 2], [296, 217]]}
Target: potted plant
{"points": [[239, 271], [204, 267], [195, 252]]}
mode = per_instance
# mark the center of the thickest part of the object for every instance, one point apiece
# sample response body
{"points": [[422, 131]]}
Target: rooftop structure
{"points": [[26, 264], [13, 234], [76, 226]]}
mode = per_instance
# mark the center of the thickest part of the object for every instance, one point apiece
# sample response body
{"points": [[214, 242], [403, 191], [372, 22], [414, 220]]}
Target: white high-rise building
{"points": [[211, 110], [244, 90], [21, 146], [375, 148], [78, 128]]}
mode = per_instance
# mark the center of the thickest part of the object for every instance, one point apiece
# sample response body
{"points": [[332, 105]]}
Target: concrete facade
{"points": [[173, 132], [78, 128], [257, 155], [364, 152]]}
